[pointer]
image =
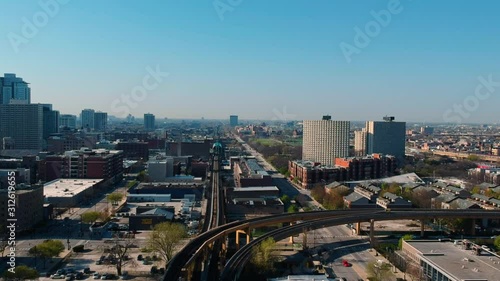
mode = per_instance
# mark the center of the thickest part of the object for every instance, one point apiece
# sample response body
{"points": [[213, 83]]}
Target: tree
{"points": [[406, 237], [333, 201], [115, 197], [422, 198], [21, 272], [142, 176], [47, 249], [318, 193], [262, 257], [286, 200], [91, 217], [379, 271], [293, 209], [119, 253], [164, 239], [476, 190], [497, 243]]}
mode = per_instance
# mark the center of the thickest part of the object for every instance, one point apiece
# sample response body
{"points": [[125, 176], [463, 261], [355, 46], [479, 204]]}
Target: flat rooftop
{"points": [[68, 187], [255, 188], [401, 179], [459, 263]]}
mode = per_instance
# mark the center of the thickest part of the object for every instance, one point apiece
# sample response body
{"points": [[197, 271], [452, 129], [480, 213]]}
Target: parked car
{"points": [[140, 257], [70, 270], [57, 276], [69, 277], [485, 248], [86, 270], [104, 276], [61, 271], [96, 275], [125, 275], [79, 276]]}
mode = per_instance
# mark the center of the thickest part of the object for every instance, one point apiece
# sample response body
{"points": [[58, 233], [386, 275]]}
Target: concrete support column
{"points": [[304, 239], [249, 235], [372, 232], [473, 227], [238, 238], [358, 228]]}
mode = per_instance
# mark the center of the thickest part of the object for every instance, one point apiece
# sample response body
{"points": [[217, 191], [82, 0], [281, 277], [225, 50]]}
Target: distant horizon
{"points": [[270, 120]]}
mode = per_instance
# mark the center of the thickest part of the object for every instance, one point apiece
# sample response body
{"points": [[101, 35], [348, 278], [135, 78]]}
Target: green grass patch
{"points": [[267, 142]]}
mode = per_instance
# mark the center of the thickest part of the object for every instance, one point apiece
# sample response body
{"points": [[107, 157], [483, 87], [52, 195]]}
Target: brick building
{"points": [[346, 169], [134, 150], [83, 164]]}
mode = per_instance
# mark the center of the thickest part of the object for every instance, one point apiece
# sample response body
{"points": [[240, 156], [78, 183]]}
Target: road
{"points": [[338, 240], [257, 155], [339, 244]]}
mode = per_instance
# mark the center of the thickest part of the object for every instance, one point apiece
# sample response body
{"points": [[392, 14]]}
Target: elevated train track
{"points": [[178, 266]]}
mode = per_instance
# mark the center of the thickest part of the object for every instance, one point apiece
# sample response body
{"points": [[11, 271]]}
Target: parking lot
{"points": [[97, 261]]}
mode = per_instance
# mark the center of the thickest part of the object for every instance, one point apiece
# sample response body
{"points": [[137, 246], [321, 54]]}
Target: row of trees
{"points": [[440, 167], [276, 152]]}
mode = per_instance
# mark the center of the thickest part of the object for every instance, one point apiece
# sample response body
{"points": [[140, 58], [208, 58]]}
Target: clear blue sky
{"points": [[262, 57]]}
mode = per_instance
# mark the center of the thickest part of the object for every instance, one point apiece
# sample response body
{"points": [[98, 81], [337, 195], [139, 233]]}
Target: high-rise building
{"points": [[87, 119], [386, 137], [360, 143], [50, 121], [23, 123], [426, 130], [14, 90], [67, 120], [149, 122], [100, 121], [324, 140], [233, 120]]}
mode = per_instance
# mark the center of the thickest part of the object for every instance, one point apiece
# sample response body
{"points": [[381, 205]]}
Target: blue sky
{"points": [[262, 57]]}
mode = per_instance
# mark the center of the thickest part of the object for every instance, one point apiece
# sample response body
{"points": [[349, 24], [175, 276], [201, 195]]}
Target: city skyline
{"points": [[272, 62]]}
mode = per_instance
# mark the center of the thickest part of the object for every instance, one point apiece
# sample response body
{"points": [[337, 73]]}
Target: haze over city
{"points": [[263, 58]]}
